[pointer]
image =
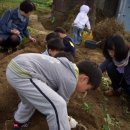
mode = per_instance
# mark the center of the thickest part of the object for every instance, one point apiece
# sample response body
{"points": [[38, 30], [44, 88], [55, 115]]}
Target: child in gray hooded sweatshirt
{"points": [[46, 83]]}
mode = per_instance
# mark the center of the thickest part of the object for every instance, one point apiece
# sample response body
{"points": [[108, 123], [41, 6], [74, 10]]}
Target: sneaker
{"points": [[19, 126], [110, 93]]}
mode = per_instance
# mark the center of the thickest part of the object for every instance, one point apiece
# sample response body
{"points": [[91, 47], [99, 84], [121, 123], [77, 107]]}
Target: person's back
{"points": [[82, 18], [81, 21], [45, 84], [55, 72]]}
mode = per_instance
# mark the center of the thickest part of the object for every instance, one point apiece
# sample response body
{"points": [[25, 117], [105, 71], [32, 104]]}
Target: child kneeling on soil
{"points": [[46, 83], [117, 65], [14, 24]]}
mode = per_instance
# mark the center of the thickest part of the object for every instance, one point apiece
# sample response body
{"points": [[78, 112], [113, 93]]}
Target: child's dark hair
{"points": [[55, 44], [27, 6], [118, 45], [91, 70], [65, 54], [60, 30], [51, 35]]}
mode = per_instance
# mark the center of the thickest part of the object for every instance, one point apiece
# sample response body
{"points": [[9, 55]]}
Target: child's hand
{"points": [[73, 122], [15, 31], [88, 30], [32, 39]]}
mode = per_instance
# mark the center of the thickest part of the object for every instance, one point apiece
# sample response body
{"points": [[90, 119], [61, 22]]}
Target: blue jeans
{"points": [[77, 34]]}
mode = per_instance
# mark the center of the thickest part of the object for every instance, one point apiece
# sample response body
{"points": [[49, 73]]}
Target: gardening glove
{"points": [[73, 122]]}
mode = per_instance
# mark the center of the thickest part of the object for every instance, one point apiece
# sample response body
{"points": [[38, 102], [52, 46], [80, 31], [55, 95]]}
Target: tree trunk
{"points": [[61, 9]]}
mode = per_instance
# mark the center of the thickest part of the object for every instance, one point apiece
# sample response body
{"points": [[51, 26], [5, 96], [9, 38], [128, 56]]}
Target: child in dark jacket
{"points": [[68, 42], [14, 24], [117, 64]]}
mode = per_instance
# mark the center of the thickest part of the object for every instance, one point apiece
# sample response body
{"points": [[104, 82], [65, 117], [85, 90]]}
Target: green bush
{"points": [[40, 4]]}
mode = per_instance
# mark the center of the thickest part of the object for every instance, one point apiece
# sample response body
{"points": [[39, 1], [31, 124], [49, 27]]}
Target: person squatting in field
{"points": [[14, 24], [45, 83], [117, 65]]}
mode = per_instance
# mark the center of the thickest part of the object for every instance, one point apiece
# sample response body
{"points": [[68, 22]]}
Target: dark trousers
{"points": [[118, 79], [11, 42]]}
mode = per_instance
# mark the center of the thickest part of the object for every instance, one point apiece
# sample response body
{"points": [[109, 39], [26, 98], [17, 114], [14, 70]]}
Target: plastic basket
{"points": [[90, 44]]}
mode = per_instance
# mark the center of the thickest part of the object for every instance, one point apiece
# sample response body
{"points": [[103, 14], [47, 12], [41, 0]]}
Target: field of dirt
{"points": [[93, 110]]}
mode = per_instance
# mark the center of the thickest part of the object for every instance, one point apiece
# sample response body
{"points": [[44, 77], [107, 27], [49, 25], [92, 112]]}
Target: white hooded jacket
{"points": [[82, 18]]}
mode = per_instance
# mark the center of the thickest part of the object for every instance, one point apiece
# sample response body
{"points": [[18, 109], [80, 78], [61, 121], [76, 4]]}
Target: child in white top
{"points": [[81, 21]]}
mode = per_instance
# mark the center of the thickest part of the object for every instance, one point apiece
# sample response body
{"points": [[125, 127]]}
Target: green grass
{"points": [[40, 4]]}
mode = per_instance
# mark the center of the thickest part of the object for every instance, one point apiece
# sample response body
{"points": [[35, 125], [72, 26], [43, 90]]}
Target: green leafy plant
{"points": [[106, 82], [105, 127], [126, 112], [108, 120], [53, 19], [87, 107]]}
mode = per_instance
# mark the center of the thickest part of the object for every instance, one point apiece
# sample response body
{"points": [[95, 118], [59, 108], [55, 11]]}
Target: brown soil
{"points": [[92, 118]]}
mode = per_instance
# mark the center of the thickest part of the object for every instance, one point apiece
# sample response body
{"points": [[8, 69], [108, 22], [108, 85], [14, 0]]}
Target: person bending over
{"points": [[67, 40], [53, 47], [45, 83]]}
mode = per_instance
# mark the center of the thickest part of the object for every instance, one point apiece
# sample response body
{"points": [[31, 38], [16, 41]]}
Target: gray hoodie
{"points": [[59, 74]]}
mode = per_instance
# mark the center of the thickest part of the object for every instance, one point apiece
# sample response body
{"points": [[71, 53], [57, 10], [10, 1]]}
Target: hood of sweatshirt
{"points": [[84, 8], [67, 64]]}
